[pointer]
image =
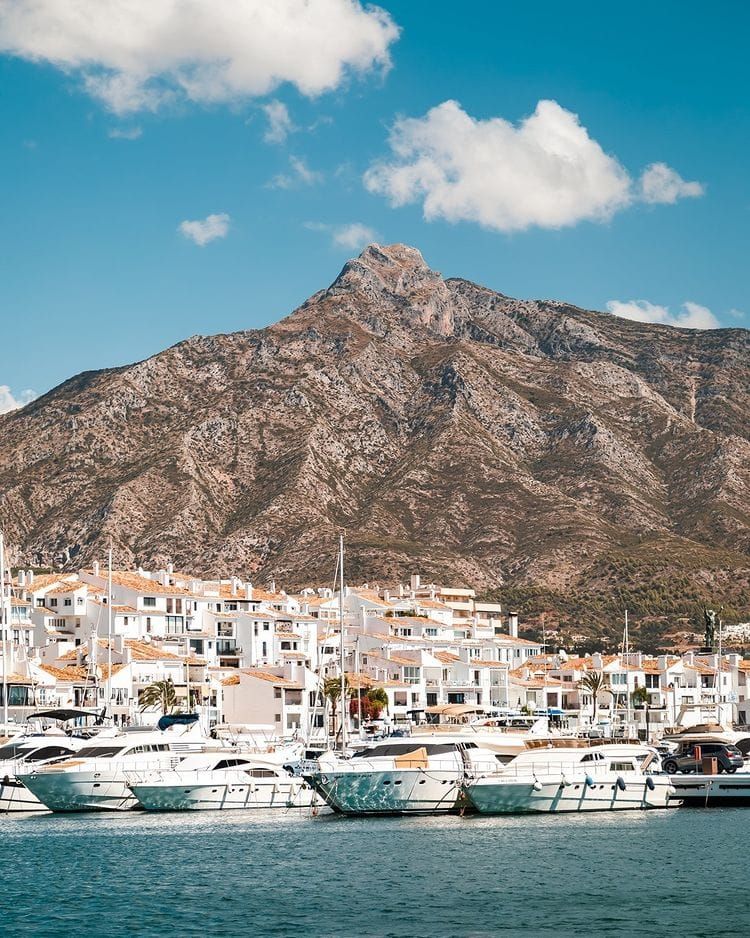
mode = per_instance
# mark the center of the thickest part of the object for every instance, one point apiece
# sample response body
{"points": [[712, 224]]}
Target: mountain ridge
{"points": [[445, 427]]}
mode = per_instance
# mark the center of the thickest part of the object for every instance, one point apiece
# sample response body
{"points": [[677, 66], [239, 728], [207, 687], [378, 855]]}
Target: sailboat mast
{"points": [[625, 654], [3, 617], [341, 644], [108, 701]]}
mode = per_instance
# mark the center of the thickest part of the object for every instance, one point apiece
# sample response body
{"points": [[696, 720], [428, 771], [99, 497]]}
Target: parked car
{"points": [[728, 758]]}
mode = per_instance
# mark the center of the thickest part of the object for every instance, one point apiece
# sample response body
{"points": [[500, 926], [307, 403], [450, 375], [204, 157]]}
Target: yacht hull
{"points": [[184, 795], [707, 791], [64, 792], [519, 796], [399, 791], [15, 798]]}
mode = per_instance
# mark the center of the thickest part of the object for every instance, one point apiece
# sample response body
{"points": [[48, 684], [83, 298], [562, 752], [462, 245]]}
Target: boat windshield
{"points": [[48, 752], [13, 750], [433, 749], [99, 752]]}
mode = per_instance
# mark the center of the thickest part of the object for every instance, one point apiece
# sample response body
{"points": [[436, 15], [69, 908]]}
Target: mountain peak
{"points": [[398, 275]]}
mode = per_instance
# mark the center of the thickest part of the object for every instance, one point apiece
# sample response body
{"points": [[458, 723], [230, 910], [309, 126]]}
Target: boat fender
{"points": [[671, 791], [621, 783], [650, 783], [537, 786], [589, 782]]}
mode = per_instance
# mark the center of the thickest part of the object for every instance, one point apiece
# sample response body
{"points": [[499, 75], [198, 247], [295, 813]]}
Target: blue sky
{"points": [[95, 271]]}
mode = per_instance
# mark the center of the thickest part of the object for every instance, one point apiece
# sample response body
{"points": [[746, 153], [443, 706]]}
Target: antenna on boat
{"points": [[342, 655], [4, 621]]}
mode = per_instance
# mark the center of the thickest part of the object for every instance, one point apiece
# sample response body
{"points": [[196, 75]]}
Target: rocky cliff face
{"points": [[444, 427]]}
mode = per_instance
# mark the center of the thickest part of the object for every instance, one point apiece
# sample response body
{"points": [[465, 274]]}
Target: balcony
{"points": [[228, 651]]}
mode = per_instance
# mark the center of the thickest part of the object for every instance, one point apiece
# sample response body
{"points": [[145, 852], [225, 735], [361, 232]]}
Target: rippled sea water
{"points": [[666, 873]]}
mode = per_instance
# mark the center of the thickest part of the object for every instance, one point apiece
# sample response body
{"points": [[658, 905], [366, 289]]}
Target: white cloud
{"points": [[125, 133], [300, 175], [280, 124], [139, 54], [692, 315], [661, 184], [352, 237], [209, 229], [546, 171], [9, 402]]}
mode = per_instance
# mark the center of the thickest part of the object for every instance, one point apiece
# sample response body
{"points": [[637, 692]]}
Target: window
{"points": [[229, 763], [261, 773], [264, 652], [148, 623], [621, 767], [411, 675], [40, 600], [68, 602], [277, 717], [149, 601], [174, 625], [266, 626], [53, 602], [277, 693], [618, 678], [652, 681], [431, 632]]}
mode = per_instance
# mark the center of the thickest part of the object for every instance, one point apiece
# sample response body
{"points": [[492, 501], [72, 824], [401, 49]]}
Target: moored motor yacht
{"points": [[409, 775], [220, 781], [712, 791], [94, 779], [572, 775], [24, 754]]}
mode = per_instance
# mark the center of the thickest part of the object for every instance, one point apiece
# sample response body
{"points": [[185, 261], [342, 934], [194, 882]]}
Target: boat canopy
{"points": [[62, 713], [176, 719]]}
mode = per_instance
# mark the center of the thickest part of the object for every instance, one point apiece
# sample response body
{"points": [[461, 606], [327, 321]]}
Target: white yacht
{"points": [[94, 779], [571, 775], [418, 775], [696, 790], [221, 781], [26, 753]]}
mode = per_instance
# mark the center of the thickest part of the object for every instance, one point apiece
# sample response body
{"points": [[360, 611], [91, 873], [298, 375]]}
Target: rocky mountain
{"points": [[570, 460]]}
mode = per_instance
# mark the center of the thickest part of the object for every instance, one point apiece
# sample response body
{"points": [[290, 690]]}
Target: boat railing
{"points": [[549, 767]]}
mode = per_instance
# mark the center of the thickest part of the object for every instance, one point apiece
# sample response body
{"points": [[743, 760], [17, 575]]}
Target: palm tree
{"points": [[160, 694], [593, 682]]}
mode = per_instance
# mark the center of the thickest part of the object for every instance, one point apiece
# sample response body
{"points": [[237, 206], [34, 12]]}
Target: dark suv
{"points": [[728, 758]]}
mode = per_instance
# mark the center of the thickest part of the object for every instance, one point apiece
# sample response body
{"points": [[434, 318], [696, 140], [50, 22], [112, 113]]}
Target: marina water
{"points": [[678, 872]]}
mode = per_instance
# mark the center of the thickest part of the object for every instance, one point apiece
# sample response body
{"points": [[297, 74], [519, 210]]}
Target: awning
{"points": [[62, 714]]}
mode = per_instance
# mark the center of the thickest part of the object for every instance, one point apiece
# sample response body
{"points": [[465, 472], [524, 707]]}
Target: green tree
{"points": [[593, 682], [378, 699], [639, 696], [160, 694], [332, 693]]}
